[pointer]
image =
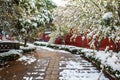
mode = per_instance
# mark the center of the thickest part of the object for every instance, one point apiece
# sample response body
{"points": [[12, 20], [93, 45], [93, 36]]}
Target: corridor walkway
{"points": [[48, 64]]}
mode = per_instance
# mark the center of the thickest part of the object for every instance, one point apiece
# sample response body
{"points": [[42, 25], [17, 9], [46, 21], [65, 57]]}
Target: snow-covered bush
{"points": [[10, 55], [28, 48]]}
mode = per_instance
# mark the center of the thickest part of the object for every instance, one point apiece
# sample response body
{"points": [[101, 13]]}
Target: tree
{"points": [[8, 15], [96, 18], [29, 15]]}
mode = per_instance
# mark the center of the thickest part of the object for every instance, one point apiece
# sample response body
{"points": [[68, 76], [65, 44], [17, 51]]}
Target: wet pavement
{"points": [[50, 65]]}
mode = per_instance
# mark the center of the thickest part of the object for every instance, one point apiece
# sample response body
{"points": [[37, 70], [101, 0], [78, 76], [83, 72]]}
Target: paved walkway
{"points": [[50, 65]]}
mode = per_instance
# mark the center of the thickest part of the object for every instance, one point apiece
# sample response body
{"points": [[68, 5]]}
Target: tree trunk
{"points": [[25, 42]]}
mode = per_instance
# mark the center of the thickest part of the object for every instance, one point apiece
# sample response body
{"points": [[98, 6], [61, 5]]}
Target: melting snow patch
{"points": [[28, 78], [42, 74], [27, 59], [39, 77]]}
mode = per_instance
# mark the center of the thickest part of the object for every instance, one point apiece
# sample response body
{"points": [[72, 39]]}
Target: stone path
{"points": [[50, 65]]}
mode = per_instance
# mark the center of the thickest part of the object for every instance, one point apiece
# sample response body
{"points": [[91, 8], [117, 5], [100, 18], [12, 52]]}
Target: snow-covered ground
{"points": [[27, 59], [79, 69], [107, 58], [50, 49], [73, 68], [38, 72]]}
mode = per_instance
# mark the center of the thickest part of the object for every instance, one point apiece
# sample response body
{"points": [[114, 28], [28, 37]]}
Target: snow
{"points": [[8, 41], [28, 20], [39, 78], [107, 16], [73, 65], [28, 78], [107, 58], [62, 51], [53, 50], [34, 24], [47, 32], [60, 2], [38, 42], [73, 70], [27, 59], [110, 60], [30, 46], [19, 52], [23, 30], [11, 52], [49, 49], [75, 75], [38, 71]]}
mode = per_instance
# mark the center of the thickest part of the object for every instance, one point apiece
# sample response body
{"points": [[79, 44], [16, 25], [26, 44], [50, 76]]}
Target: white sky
{"points": [[60, 2]]}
